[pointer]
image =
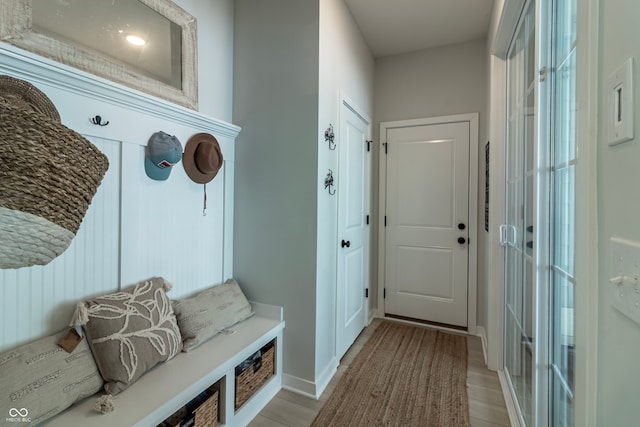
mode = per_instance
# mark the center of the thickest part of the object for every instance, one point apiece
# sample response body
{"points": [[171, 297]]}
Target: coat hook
{"points": [[328, 136], [97, 120], [328, 182]]}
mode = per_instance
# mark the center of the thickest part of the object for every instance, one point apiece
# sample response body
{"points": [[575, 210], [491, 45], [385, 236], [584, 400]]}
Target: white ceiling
{"points": [[391, 27]]}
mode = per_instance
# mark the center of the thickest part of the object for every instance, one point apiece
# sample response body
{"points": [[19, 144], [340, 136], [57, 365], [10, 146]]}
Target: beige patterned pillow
{"points": [[40, 379], [202, 316], [131, 331]]}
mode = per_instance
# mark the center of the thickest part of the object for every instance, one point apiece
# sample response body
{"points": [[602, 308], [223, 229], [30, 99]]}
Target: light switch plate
{"points": [[620, 116], [625, 262]]}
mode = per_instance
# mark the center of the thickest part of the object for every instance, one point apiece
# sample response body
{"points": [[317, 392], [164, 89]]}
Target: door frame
{"points": [[473, 120]]}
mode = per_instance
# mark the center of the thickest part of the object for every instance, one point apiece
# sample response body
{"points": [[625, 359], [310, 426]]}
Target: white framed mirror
{"points": [[148, 45]]}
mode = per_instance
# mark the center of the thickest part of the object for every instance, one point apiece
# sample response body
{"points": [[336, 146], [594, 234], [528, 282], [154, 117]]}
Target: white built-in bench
{"points": [[171, 385]]}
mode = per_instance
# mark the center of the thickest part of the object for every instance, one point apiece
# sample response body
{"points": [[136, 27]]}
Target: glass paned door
{"points": [[520, 340], [540, 284]]}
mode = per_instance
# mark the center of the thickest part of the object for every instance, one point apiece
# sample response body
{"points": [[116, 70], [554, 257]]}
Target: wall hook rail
{"points": [[329, 136], [97, 120], [328, 183]]}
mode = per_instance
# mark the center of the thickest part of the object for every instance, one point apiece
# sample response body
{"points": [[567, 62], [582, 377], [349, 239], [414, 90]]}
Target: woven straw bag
{"points": [[48, 176]]}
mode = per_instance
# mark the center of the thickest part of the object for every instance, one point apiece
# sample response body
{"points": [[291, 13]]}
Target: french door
{"points": [[538, 236]]}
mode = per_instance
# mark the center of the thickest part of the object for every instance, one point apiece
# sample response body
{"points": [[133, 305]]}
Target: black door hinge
{"points": [[367, 219], [385, 147], [385, 220], [384, 293], [366, 292], [369, 145]]}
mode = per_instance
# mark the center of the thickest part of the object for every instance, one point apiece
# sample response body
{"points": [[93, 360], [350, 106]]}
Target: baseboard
{"points": [[325, 377], [373, 313], [308, 388], [482, 333], [513, 410]]}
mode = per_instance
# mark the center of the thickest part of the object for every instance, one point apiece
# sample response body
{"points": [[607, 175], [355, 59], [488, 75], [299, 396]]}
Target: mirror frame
{"points": [[16, 29]]}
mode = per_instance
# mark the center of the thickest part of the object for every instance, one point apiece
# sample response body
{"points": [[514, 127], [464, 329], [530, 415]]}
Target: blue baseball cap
{"points": [[163, 151]]}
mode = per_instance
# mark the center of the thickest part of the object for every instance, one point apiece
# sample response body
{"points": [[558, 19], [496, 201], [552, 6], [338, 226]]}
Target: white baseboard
{"points": [[298, 385], [325, 377], [515, 416], [308, 388], [482, 333], [373, 313]]}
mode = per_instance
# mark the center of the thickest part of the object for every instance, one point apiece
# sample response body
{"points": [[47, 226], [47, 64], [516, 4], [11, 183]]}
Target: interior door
{"points": [[353, 228], [427, 222]]}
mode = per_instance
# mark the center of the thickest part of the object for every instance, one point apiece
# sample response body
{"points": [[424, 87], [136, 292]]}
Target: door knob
{"points": [[462, 240], [346, 243], [461, 226]]}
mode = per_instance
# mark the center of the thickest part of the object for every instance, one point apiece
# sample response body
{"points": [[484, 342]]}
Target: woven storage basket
{"points": [[251, 379], [48, 176], [206, 415]]}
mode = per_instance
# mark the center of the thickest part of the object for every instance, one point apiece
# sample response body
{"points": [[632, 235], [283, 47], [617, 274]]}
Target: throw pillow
{"points": [[40, 379], [131, 331], [202, 316]]}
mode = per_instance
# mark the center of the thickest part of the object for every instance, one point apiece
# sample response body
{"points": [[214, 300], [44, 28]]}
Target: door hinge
{"points": [[385, 147], [366, 292], [384, 292], [385, 220], [369, 145], [367, 219]]}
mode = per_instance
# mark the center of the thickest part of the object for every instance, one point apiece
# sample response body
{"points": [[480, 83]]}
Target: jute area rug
{"points": [[403, 376]]}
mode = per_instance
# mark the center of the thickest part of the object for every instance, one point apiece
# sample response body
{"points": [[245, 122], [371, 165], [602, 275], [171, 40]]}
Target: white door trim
{"points": [[472, 119]]}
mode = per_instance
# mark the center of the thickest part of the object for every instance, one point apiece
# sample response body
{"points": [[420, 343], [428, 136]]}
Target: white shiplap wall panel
{"points": [[164, 231], [135, 227], [39, 300]]}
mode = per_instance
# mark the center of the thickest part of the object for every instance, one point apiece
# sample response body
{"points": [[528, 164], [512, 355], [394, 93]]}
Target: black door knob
{"points": [[346, 243], [462, 240], [461, 226]]}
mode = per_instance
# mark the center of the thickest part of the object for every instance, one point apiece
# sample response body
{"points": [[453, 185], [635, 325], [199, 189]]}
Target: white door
{"points": [[353, 228], [427, 222]]}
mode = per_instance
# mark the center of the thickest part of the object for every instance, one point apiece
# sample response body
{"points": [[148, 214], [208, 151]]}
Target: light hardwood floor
{"points": [[486, 403]]}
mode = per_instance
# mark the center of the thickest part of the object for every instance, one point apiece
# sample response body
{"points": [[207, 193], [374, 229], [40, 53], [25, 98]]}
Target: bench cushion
{"points": [[131, 331], [40, 379], [204, 315]]}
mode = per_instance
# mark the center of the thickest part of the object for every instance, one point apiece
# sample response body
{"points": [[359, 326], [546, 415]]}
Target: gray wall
{"points": [[436, 82], [276, 104], [618, 206], [215, 55], [293, 61]]}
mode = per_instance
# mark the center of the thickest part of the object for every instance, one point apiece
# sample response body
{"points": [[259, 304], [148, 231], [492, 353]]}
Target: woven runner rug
{"points": [[403, 376]]}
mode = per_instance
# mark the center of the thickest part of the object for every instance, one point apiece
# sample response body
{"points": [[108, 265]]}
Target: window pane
{"points": [[564, 219], [565, 31], [565, 111], [562, 414], [563, 350]]}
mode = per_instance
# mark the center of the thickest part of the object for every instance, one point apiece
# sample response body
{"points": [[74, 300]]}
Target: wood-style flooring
{"points": [[486, 403]]}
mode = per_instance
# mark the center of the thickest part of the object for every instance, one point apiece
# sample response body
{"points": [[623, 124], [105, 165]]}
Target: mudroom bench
{"points": [[171, 385]]}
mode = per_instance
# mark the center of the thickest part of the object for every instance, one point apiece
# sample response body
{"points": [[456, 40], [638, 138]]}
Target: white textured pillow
{"points": [[40, 379], [202, 316]]}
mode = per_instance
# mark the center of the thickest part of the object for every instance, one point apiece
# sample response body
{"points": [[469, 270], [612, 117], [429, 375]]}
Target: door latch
{"points": [[543, 74]]}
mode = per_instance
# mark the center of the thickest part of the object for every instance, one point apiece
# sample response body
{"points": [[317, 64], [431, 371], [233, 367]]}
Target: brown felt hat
{"points": [[202, 158]]}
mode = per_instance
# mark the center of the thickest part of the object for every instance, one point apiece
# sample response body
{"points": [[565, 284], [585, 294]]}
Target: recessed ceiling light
{"points": [[136, 40]]}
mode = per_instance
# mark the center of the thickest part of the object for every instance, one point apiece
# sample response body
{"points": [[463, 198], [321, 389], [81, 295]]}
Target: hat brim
{"points": [[154, 172], [188, 158]]}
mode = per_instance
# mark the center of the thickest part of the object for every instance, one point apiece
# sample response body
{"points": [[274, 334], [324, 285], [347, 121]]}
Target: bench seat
{"points": [[170, 385]]}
